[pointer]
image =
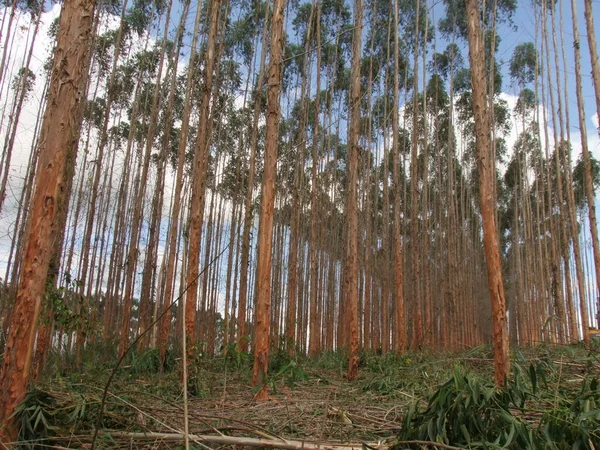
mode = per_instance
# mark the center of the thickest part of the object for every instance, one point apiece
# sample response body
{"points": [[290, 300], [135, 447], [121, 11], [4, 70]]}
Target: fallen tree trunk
{"points": [[246, 441]]}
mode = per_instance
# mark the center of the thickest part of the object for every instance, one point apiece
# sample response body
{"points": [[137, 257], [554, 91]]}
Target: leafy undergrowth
{"points": [[552, 400]]}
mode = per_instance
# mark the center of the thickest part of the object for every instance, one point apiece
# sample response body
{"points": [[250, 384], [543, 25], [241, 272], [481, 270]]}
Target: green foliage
{"points": [[523, 64], [70, 311], [42, 414], [24, 82], [579, 179], [31, 415], [198, 385], [470, 412], [576, 423], [236, 358], [455, 21], [279, 359], [45, 414], [146, 362], [384, 385]]}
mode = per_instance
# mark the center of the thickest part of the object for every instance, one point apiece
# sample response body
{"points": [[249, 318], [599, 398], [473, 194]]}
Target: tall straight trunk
{"points": [[292, 282], [172, 245], [242, 341], [200, 169], [425, 316], [585, 319], [543, 227], [486, 182], [385, 214], [118, 247], [46, 330], [371, 195], [58, 145], [589, 190], [265, 233], [203, 317], [157, 201], [417, 320], [233, 225], [314, 345], [351, 252], [118, 236], [400, 324], [559, 150], [136, 225], [556, 224], [85, 251]]}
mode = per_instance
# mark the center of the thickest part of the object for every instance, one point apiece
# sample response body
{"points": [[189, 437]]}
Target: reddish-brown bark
{"points": [[58, 144], [351, 275], [486, 182], [265, 235]]}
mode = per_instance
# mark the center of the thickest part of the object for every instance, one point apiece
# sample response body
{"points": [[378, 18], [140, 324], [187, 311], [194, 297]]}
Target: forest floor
{"points": [[310, 402]]}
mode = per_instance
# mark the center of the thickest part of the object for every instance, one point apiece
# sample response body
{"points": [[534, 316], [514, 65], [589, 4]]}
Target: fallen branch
{"points": [[430, 444], [246, 441]]}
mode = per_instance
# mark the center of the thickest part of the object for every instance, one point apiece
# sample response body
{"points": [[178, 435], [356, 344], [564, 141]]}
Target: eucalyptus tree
{"points": [[400, 322], [324, 27], [563, 297], [199, 173], [153, 62], [118, 42], [242, 341], [304, 24], [60, 135], [566, 154], [526, 152], [589, 190], [417, 329], [173, 232], [446, 65], [162, 158], [371, 190], [263, 286], [128, 77], [477, 58], [351, 204]]}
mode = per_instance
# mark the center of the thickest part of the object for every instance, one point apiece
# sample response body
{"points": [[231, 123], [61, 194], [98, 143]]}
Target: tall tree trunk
{"points": [[172, 245], [136, 224], [292, 283], [265, 234], [417, 319], [589, 190], [566, 154], [157, 201], [314, 345], [200, 169], [85, 252], [400, 324], [486, 181], [58, 145], [242, 341], [351, 253]]}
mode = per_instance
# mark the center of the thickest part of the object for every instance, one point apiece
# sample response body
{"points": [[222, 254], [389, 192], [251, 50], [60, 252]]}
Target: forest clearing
{"points": [[299, 224]]}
